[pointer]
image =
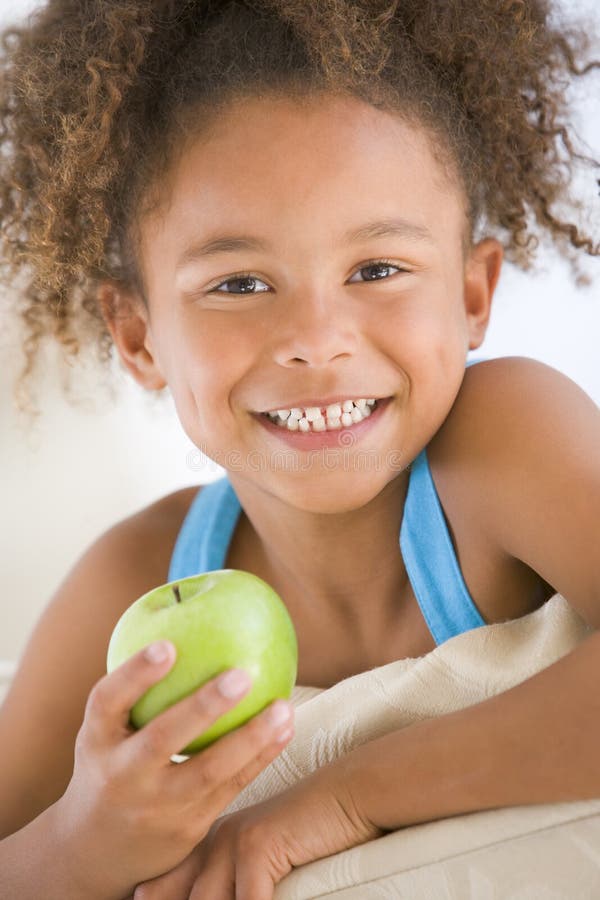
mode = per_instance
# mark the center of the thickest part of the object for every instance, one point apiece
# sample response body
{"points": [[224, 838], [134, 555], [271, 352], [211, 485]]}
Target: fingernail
{"points": [[234, 683], [158, 652], [278, 713], [285, 735]]}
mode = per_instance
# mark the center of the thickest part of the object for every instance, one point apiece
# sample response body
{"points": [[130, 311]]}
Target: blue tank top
{"points": [[439, 587]]}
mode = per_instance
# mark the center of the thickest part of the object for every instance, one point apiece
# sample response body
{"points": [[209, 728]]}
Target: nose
{"points": [[312, 331]]}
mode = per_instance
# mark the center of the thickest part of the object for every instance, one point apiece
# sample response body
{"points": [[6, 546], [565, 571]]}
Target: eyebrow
{"points": [[233, 243]]}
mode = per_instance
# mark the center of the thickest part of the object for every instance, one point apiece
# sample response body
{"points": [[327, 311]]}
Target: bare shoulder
{"points": [[518, 455], [66, 654], [141, 545], [510, 376], [161, 521], [506, 409]]}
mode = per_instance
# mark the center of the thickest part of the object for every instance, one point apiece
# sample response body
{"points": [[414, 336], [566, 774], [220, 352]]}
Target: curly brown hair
{"points": [[96, 95]]}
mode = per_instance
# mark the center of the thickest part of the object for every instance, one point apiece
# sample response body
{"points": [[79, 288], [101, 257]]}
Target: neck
{"points": [[346, 563]]}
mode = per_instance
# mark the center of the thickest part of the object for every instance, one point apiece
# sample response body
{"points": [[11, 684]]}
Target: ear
{"points": [[128, 320], [482, 272]]}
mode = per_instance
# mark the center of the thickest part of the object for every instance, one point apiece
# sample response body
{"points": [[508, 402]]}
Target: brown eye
{"points": [[247, 282], [376, 270]]}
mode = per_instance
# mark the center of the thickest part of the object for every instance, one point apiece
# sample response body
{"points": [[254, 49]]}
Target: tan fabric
{"points": [[544, 852]]}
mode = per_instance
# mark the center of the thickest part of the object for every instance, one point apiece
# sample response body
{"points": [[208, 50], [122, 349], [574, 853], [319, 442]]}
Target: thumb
{"points": [[110, 700]]}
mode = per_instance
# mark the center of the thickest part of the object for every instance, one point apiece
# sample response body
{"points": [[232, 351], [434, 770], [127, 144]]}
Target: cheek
{"points": [[416, 329], [442, 321], [211, 363], [424, 334], [200, 354]]}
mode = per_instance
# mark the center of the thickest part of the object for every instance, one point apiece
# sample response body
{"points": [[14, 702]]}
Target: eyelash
{"points": [[238, 276]]}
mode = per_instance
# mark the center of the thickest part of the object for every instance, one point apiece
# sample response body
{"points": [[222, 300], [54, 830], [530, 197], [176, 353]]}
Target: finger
{"points": [[168, 733], [217, 878], [231, 874], [235, 760], [110, 700], [252, 881], [174, 885]]}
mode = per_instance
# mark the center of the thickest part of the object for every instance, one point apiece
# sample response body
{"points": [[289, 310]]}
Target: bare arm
{"points": [[64, 657], [35, 863], [538, 742], [44, 707]]}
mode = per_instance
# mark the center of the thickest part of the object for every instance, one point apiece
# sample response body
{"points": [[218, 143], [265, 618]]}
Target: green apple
{"points": [[217, 620]]}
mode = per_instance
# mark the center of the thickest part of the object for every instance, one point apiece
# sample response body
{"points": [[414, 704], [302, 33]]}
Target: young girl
{"points": [[294, 216]]}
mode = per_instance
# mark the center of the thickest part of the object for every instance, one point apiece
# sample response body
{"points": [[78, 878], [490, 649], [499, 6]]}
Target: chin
{"points": [[331, 492]]}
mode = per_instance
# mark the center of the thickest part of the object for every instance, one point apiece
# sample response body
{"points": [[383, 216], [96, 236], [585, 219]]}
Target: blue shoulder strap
{"points": [[207, 529], [430, 560]]}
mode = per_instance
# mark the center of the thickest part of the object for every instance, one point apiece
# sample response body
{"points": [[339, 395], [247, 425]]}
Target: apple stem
{"points": [[176, 592]]}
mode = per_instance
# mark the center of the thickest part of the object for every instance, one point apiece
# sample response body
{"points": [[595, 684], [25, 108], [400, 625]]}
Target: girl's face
{"points": [[300, 310]]}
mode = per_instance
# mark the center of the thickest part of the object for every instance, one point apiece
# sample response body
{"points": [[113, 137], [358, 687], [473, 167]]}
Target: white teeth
{"points": [[334, 411], [313, 413], [337, 415]]}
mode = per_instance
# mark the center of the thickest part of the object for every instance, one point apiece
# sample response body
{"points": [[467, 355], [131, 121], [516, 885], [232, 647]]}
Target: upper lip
{"points": [[323, 401]]}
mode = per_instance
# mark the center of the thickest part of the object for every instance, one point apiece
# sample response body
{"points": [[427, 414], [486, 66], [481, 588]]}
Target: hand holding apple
{"points": [[125, 783], [217, 620]]}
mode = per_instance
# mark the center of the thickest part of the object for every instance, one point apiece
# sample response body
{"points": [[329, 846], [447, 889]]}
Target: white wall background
{"points": [[79, 472]]}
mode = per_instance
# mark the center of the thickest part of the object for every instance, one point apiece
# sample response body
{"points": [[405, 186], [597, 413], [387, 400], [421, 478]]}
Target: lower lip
{"points": [[315, 440]]}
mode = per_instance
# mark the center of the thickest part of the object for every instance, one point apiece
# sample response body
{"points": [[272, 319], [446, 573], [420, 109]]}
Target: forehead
{"points": [[274, 163]]}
